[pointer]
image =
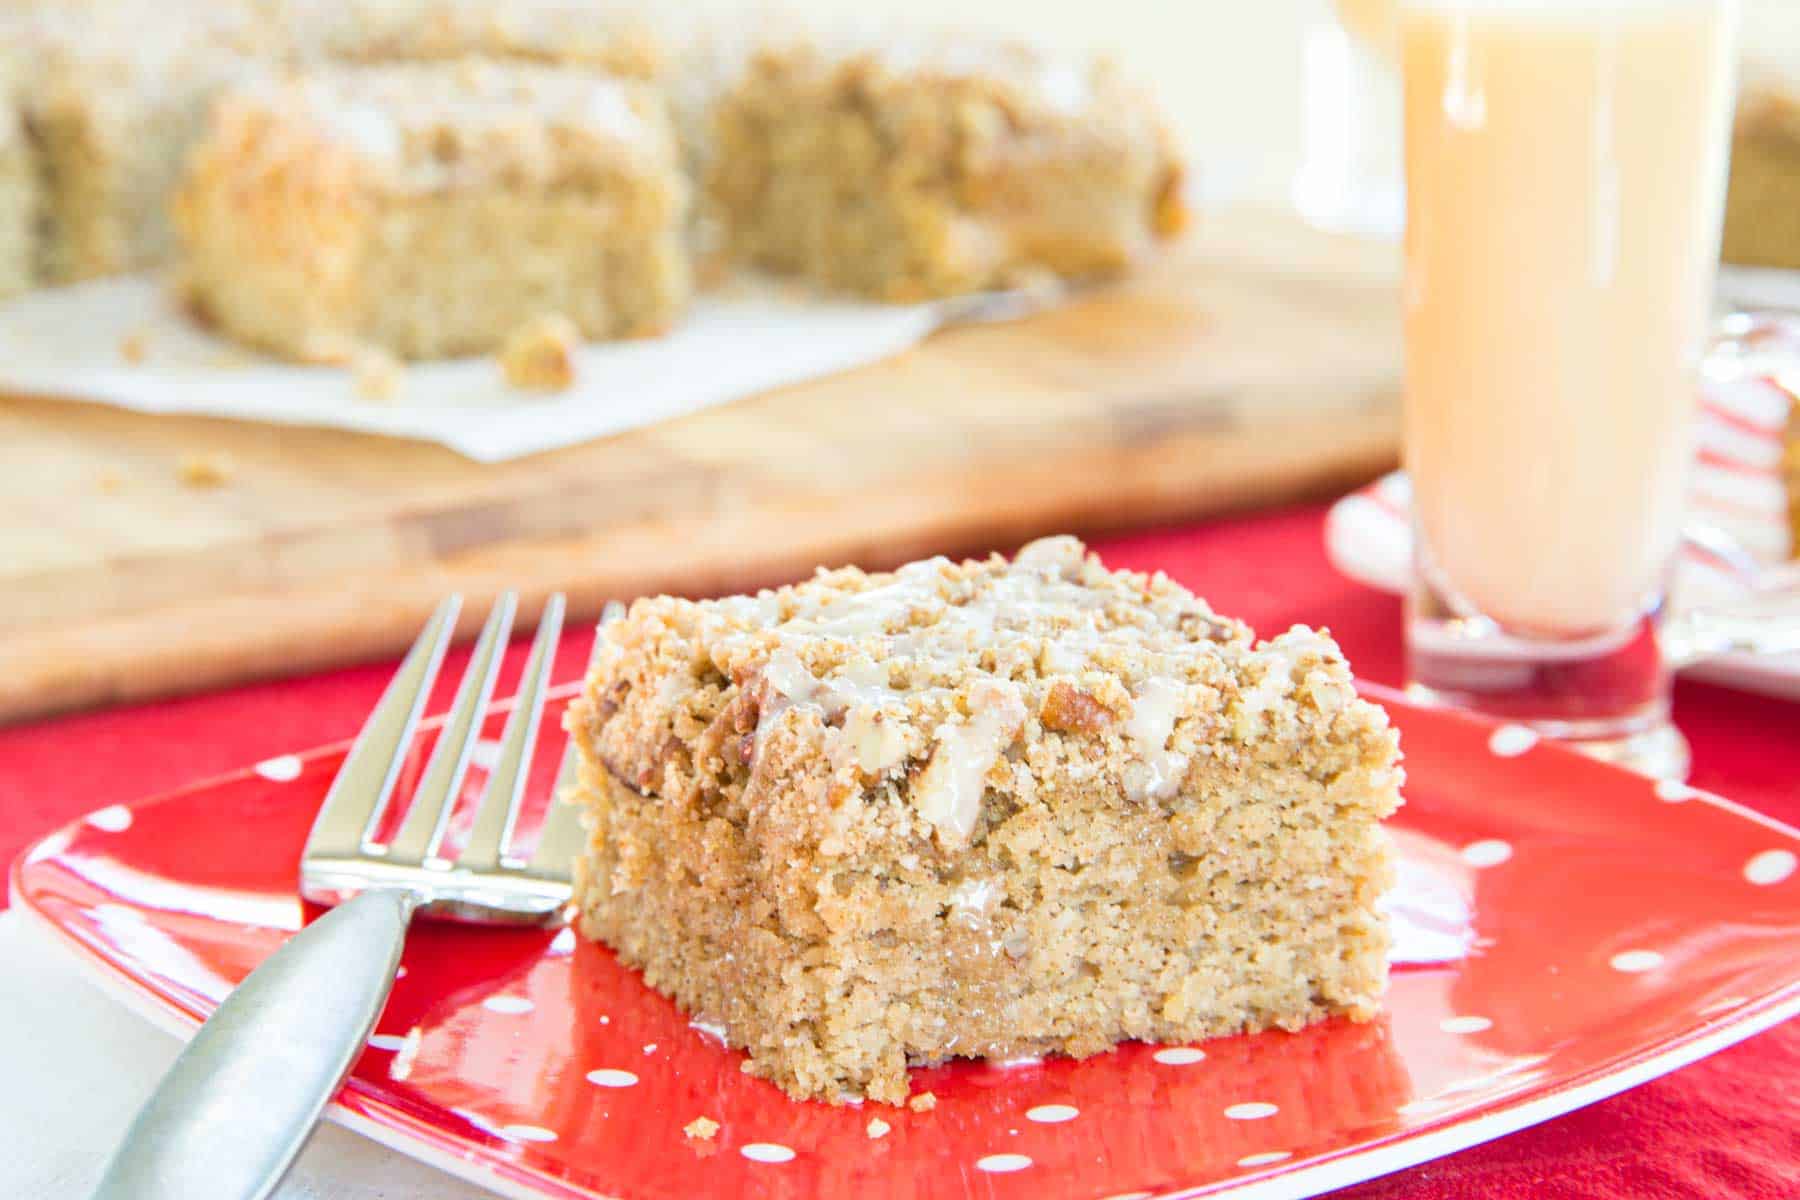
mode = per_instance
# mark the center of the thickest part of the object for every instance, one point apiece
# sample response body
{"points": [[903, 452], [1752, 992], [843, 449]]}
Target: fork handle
{"points": [[234, 1110]]}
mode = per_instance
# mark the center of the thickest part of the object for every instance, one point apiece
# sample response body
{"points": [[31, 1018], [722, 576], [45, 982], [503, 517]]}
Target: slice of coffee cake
{"points": [[923, 165], [428, 209], [988, 809]]}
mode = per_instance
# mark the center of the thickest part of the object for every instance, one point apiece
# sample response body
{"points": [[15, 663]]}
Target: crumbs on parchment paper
{"points": [[206, 469], [540, 354], [377, 375]]}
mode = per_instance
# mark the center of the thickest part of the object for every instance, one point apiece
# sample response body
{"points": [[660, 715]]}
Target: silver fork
{"points": [[234, 1110]]}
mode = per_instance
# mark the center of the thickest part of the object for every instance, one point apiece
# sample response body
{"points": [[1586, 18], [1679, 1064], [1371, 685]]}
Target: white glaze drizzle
{"points": [[921, 624], [948, 793], [972, 902], [1152, 721]]}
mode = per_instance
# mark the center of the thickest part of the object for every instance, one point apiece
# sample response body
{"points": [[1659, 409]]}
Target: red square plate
{"points": [[1567, 930]]}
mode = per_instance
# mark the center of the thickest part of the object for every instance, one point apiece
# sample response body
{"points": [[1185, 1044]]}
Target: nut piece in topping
{"points": [[540, 354], [878, 740], [701, 1129], [1068, 709], [923, 1102]]}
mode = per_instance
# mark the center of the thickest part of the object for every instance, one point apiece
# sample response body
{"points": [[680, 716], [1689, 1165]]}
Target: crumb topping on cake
{"points": [[613, 38], [1032, 84], [429, 128], [928, 679]]}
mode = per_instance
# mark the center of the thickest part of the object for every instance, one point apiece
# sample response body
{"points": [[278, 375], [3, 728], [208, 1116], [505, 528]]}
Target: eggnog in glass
{"points": [[1565, 170]]}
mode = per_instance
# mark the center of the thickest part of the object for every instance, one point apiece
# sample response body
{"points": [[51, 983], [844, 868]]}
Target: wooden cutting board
{"points": [[1257, 363]]}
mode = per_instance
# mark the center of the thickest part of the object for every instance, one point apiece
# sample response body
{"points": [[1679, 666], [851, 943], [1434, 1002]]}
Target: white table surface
{"points": [[75, 1066]]}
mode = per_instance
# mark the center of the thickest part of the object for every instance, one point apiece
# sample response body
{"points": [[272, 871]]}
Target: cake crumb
{"points": [[923, 1102], [878, 1128], [377, 374], [207, 469], [111, 482], [701, 1129], [134, 347], [540, 354]]}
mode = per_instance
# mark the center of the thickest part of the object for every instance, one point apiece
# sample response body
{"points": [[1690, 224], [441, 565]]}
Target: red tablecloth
{"points": [[1725, 1128]]}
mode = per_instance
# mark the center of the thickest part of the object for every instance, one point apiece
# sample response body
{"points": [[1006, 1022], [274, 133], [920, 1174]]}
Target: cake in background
{"points": [[612, 37], [352, 207], [1762, 207], [19, 201], [1793, 474], [915, 164], [111, 97]]}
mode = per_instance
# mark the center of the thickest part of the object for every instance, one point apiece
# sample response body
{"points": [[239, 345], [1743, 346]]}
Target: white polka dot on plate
{"points": [[1465, 1024], [1000, 1164], [1636, 962], [1254, 1110], [114, 818], [1052, 1114], [1489, 852], [510, 1005], [1674, 791], [1264, 1159], [1770, 867], [1510, 741], [611, 1077], [528, 1133], [391, 1042], [766, 1152], [1178, 1056], [283, 768]]}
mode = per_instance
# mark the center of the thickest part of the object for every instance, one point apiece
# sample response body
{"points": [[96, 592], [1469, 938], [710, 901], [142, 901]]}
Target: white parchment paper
{"points": [[70, 343]]}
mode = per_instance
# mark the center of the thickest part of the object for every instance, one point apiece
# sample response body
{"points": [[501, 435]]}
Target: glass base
{"points": [[1661, 752], [1657, 750]]}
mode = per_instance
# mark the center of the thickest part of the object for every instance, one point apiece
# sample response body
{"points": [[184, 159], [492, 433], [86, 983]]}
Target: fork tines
{"points": [[483, 883]]}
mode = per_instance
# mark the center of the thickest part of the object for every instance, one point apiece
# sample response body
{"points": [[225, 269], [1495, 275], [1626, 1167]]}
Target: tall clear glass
{"points": [[1565, 172]]}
